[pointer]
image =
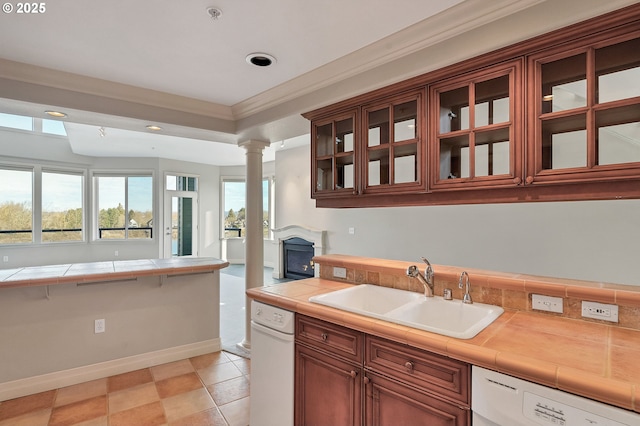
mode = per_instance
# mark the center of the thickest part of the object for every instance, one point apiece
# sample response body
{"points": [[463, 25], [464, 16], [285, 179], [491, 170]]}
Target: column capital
{"points": [[254, 145]]}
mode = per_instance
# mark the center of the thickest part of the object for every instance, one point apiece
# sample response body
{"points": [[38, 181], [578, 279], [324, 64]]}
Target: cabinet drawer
{"points": [[331, 338], [440, 375]]}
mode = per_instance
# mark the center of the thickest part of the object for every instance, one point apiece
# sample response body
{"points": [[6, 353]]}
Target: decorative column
{"points": [[254, 239]]}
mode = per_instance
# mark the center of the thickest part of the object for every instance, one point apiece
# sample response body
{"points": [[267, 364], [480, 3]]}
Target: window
{"points": [[62, 211], [16, 206], [234, 205], [124, 206], [32, 124], [19, 122]]}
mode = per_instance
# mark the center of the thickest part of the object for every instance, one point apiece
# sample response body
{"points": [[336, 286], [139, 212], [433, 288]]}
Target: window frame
{"points": [[270, 178], [95, 212]]}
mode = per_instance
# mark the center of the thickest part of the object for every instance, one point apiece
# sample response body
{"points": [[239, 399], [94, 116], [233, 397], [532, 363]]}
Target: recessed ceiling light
{"points": [[154, 128], [260, 59], [56, 114]]}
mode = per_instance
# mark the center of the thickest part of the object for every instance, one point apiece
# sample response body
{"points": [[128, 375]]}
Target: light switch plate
{"points": [[546, 303]]}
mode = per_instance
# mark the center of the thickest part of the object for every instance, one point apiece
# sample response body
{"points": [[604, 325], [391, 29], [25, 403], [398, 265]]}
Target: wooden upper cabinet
{"points": [[476, 129], [585, 111], [334, 163], [393, 145], [553, 118]]}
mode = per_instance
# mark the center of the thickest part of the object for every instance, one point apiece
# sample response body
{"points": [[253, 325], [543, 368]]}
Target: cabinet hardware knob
{"points": [[408, 365], [353, 374], [529, 180], [366, 380], [324, 337], [517, 180]]}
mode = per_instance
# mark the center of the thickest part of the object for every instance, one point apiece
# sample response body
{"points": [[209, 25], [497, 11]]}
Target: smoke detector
{"points": [[214, 12]]}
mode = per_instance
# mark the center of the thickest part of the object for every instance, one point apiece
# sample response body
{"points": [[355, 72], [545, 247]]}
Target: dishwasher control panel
{"points": [[545, 411], [273, 317]]}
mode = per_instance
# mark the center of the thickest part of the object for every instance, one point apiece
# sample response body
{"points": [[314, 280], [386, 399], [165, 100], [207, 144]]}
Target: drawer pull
{"points": [[408, 365], [353, 374], [324, 337]]}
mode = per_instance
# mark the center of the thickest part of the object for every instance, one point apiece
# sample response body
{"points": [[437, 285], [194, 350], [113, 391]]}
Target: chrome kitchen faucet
{"points": [[426, 280], [467, 297]]}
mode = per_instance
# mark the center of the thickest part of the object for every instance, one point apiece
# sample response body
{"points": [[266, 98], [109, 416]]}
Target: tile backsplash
{"points": [[511, 291]]}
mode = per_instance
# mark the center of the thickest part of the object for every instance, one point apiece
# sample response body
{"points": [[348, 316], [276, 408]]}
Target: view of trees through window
{"points": [[235, 208], [16, 212], [125, 207], [62, 201]]}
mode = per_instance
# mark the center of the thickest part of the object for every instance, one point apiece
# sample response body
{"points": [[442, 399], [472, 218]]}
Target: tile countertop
{"points": [[594, 360], [106, 271]]}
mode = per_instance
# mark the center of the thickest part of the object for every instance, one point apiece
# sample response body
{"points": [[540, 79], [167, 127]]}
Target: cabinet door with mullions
{"points": [[585, 120], [476, 129], [393, 144], [334, 156]]}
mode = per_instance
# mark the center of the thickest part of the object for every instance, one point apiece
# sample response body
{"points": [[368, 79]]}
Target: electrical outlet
{"points": [[339, 272], [600, 311], [5, 258], [352, 230], [100, 326], [546, 303], [115, 253]]}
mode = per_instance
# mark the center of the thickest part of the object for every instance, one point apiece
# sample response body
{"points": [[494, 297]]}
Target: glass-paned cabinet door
{"points": [[333, 156], [586, 120], [475, 120], [392, 144]]}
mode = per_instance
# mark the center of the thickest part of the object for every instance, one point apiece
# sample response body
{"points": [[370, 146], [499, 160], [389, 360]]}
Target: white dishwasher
{"points": [[272, 365], [498, 399]]}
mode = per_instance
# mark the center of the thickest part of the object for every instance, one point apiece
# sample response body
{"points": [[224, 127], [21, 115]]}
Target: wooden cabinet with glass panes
{"points": [[553, 118], [392, 144], [475, 125], [334, 161], [585, 118]]}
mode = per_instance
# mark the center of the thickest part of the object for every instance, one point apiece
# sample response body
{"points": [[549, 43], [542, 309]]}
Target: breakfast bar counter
{"points": [[118, 270]]}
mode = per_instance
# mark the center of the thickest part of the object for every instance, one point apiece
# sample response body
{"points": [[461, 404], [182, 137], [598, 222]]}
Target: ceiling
{"points": [[125, 64]]}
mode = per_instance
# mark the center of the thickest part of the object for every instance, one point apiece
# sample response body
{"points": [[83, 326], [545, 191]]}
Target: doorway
{"points": [[181, 217]]}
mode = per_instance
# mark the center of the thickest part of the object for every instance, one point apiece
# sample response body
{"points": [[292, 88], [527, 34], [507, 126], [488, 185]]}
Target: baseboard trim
{"points": [[59, 379]]}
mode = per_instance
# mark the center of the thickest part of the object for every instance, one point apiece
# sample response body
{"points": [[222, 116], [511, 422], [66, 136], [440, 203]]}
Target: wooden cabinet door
{"points": [[328, 391], [390, 403]]}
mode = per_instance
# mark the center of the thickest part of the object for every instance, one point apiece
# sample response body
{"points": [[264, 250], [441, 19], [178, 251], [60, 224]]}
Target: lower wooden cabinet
{"points": [[328, 390], [344, 377], [388, 402]]}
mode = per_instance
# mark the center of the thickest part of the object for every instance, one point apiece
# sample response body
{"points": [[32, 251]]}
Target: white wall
{"points": [[590, 240]]}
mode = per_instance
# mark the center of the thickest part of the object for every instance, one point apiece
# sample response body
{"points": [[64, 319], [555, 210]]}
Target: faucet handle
{"points": [[428, 272]]}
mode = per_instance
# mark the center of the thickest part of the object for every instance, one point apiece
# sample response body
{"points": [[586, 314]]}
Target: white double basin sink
{"points": [[435, 314]]}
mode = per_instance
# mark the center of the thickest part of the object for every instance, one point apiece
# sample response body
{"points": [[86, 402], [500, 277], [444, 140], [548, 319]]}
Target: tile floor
{"points": [[211, 389]]}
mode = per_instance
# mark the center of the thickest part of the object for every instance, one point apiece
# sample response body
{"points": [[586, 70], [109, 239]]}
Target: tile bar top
{"points": [[106, 271]]}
